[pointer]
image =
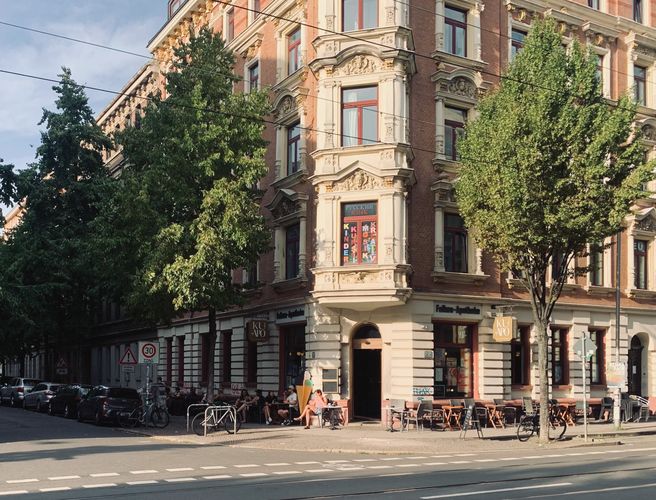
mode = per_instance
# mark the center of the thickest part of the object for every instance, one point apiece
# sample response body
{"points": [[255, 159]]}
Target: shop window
{"points": [[455, 244], [597, 365], [359, 14], [251, 362], [181, 360], [520, 352], [253, 77], [359, 116], [640, 264], [597, 265], [452, 360], [294, 51], [292, 250], [204, 358], [517, 40], [292, 350], [359, 233], [455, 31], [169, 360], [293, 148], [637, 11], [559, 358], [229, 32], [454, 123], [640, 85], [226, 356]]}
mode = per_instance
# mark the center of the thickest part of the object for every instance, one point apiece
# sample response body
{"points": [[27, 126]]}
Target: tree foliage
{"points": [[548, 167]]}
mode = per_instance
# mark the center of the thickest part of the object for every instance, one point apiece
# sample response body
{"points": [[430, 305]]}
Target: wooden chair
{"points": [[423, 413]]}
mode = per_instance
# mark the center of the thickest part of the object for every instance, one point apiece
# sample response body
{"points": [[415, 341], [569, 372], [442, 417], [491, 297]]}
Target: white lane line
{"points": [[434, 463], [138, 483], [180, 480], [102, 485], [58, 488], [180, 469], [465, 455], [213, 467], [408, 465], [594, 453], [500, 490], [314, 471], [379, 467], [532, 457], [105, 474], [417, 458], [364, 460], [306, 463], [220, 476], [19, 481], [15, 492], [337, 461], [285, 472], [556, 456], [485, 460], [61, 478], [147, 471], [390, 459], [461, 462], [441, 456], [396, 474], [579, 454], [614, 488], [507, 459], [254, 474], [278, 464], [243, 466]]}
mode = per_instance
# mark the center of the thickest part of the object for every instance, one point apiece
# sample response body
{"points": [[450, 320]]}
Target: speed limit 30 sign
{"points": [[148, 352]]}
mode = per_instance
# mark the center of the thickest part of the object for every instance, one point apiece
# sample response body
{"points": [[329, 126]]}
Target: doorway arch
{"points": [[636, 364], [367, 346]]}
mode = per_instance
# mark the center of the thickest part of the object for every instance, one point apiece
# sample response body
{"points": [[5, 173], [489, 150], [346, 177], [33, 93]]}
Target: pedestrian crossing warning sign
{"points": [[128, 358]]}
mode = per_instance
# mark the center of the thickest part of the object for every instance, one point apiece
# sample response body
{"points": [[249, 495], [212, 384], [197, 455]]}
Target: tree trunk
{"points": [[211, 317], [543, 373]]}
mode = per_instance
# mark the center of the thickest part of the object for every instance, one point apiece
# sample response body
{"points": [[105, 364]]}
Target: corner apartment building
{"points": [[374, 287]]}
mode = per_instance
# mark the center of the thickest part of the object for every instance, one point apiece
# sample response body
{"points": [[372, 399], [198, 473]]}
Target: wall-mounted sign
{"points": [[616, 374], [257, 330], [503, 328], [293, 315], [459, 311]]}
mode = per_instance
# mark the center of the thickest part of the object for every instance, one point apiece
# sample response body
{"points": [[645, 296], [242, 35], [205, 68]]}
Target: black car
{"points": [[107, 404], [67, 399]]}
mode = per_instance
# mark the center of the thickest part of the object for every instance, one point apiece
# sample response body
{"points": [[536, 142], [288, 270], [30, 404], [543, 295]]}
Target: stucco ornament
{"points": [[360, 65], [649, 132], [463, 87], [358, 181]]}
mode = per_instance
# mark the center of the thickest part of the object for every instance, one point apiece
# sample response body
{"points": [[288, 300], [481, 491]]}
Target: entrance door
{"points": [[367, 346], [635, 367]]}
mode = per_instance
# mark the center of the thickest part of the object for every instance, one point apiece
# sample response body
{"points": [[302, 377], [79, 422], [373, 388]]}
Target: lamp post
{"points": [[618, 275]]}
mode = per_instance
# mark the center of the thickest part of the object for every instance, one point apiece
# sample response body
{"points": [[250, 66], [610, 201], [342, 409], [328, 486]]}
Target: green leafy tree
{"points": [[187, 212], [47, 267], [548, 167]]}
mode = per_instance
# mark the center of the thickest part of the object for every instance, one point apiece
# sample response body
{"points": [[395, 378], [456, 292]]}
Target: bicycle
{"points": [[151, 413], [224, 414], [529, 424]]}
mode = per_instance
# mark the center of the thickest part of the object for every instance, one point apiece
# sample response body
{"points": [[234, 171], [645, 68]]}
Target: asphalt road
{"points": [[50, 457]]}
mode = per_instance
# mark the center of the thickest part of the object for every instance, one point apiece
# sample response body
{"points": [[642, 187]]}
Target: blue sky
{"points": [[123, 24]]}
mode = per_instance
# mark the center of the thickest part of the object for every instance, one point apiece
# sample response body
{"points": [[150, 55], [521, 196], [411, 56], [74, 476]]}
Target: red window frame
{"points": [[456, 25], [294, 51], [358, 242], [293, 148], [360, 17], [360, 106]]}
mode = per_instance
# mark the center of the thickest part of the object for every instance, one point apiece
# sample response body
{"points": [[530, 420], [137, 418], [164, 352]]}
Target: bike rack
{"points": [[193, 406], [231, 409]]}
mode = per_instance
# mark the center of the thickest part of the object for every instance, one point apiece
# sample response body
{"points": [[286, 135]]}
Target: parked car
{"points": [[14, 392], [106, 404], [39, 397], [67, 399]]}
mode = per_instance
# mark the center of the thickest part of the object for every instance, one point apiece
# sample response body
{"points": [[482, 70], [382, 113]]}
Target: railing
{"points": [[193, 406]]}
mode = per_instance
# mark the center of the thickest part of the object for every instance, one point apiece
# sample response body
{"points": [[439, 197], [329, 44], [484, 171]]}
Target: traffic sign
{"points": [[148, 352], [128, 358], [127, 368], [62, 367], [585, 347]]}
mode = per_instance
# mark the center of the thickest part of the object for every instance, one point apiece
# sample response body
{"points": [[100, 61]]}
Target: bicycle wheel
{"points": [[526, 428], [159, 417], [130, 419], [229, 423], [198, 424], [558, 426]]}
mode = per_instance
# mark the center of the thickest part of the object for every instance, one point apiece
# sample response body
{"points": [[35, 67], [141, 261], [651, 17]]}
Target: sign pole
{"points": [[618, 275], [584, 359]]}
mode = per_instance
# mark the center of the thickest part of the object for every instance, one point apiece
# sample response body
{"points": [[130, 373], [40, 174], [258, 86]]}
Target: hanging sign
{"points": [[257, 330], [503, 328]]}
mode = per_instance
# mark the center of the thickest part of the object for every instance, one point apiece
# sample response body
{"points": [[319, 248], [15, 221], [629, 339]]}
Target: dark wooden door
{"points": [[635, 371], [366, 383]]}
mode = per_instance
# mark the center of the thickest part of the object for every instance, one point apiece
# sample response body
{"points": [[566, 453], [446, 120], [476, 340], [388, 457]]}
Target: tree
{"points": [[47, 268], [188, 199], [548, 167]]}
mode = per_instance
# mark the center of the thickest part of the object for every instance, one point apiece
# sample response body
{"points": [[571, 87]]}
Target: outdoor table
{"points": [[332, 413], [495, 415], [452, 413], [402, 414]]}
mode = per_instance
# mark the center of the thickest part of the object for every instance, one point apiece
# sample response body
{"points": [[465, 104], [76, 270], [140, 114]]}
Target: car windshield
{"points": [[120, 392], [30, 382], [54, 388]]}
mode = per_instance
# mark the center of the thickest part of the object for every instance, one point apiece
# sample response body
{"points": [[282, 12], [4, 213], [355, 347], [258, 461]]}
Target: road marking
{"points": [[579, 454], [18, 481], [508, 459], [418, 458], [556, 456], [221, 476], [254, 474], [58, 488], [60, 478], [364, 460], [396, 474], [212, 467], [180, 479], [614, 488], [283, 472], [390, 459], [148, 471], [314, 471], [379, 467], [465, 455], [500, 490], [337, 461], [594, 453], [485, 460], [180, 469], [15, 492], [531, 457], [243, 466], [408, 465], [461, 462], [438, 463], [138, 483], [102, 485], [105, 474], [277, 464], [305, 463], [441, 456]]}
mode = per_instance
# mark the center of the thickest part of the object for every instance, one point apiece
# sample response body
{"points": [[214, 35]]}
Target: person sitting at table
{"points": [[291, 399], [314, 407]]}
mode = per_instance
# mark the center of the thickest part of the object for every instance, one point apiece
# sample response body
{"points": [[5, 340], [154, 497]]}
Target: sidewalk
{"points": [[373, 438]]}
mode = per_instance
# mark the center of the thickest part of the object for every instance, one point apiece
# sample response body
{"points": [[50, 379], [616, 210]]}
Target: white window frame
{"points": [[473, 21], [247, 74], [605, 54], [227, 11]]}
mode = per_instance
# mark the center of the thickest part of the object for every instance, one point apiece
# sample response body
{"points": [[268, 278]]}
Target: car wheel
{"points": [[12, 402], [97, 418], [38, 406], [51, 410], [68, 413]]}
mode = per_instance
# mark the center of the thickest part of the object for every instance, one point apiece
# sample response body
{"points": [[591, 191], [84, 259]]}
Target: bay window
{"points": [[640, 85], [293, 147], [359, 233], [294, 51], [292, 251], [455, 244], [455, 31], [454, 123], [359, 14], [359, 116]]}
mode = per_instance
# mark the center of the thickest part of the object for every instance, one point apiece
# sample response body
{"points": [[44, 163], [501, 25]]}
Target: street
{"points": [[51, 457]]}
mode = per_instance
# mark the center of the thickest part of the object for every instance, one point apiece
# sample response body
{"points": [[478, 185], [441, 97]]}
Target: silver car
{"points": [[14, 392], [39, 397]]}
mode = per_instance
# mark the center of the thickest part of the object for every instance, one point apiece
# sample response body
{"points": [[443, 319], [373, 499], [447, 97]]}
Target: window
{"points": [[251, 362], [557, 268], [637, 11], [520, 356], [455, 31], [597, 265], [174, 6], [169, 360], [454, 123], [596, 365], [252, 275], [359, 233], [640, 82], [181, 360], [137, 117], [559, 360], [293, 148], [594, 4], [292, 250], [517, 40], [226, 356], [204, 358], [453, 373], [640, 264], [230, 26], [359, 14], [455, 244], [253, 77], [256, 8], [292, 349], [294, 51], [600, 69], [359, 116]]}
